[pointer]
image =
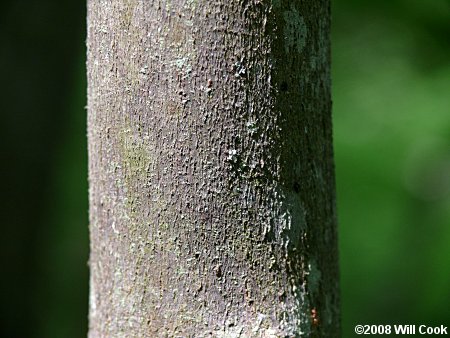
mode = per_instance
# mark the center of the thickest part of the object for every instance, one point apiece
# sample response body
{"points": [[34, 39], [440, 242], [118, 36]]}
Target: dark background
{"points": [[391, 94]]}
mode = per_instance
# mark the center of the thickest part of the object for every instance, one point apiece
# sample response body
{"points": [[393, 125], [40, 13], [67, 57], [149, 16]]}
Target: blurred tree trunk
{"points": [[212, 202]]}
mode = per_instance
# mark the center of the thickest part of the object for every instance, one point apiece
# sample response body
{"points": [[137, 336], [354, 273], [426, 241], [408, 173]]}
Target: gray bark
{"points": [[212, 204]]}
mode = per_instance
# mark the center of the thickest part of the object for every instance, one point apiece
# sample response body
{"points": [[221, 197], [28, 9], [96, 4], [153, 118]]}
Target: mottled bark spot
{"points": [[295, 31]]}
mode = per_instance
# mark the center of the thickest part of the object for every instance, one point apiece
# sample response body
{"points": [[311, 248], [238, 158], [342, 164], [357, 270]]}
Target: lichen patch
{"points": [[295, 31]]}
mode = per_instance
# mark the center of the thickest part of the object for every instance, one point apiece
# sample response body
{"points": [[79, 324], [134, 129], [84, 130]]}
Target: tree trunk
{"points": [[212, 204]]}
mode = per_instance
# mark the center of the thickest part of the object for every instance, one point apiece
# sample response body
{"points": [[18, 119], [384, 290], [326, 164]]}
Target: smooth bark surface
{"points": [[212, 205]]}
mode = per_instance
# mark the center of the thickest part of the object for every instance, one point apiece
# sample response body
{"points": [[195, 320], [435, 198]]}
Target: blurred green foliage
{"points": [[391, 93], [44, 239]]}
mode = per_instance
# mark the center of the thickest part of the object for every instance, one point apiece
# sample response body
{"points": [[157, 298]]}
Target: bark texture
{"points": [[212, 205]]}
